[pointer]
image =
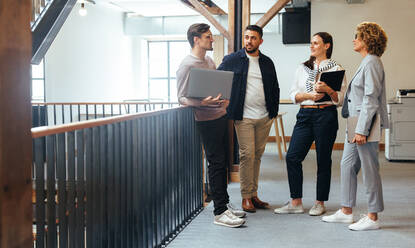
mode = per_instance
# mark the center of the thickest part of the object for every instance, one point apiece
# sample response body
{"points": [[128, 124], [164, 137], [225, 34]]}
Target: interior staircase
{"points": [[48, 16]]}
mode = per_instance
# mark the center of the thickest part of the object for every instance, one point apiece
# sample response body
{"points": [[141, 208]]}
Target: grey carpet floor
{"points": [[266, 229]]}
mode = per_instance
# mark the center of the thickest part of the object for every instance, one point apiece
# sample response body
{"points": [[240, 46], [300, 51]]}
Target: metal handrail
{"points": [[39, 7], [126, 181], [42, 131], [55, 113]]}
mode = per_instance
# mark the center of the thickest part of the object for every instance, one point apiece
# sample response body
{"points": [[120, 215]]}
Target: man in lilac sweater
{"points": [[211, 122]]}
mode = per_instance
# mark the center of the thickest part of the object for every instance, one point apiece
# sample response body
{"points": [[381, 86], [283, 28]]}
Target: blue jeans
{"points": [[319, 125]]}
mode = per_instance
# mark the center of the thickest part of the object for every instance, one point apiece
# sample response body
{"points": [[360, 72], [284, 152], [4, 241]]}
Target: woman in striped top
{"points": [[316, 122]]}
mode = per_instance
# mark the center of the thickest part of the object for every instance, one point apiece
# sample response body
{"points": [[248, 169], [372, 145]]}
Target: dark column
{"points": [[238, 25]]}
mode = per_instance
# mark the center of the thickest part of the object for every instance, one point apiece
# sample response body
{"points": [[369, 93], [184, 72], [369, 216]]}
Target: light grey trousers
{"points": [[365, 157]]}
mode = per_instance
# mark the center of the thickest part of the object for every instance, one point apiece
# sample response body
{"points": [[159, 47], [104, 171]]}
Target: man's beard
{"points": [[252, 51]]}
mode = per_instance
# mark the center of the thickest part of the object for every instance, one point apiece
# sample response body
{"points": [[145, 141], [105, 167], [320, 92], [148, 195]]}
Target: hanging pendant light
{"points": [[82, 10]]}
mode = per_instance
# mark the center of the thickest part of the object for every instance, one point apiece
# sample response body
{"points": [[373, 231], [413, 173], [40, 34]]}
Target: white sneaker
{"points": [[365, 223], [228, 219], [338, 217], [237, 212], [288, 208], [317, 210]]}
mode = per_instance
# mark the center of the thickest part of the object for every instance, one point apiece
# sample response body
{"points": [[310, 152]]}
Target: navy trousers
{"points": [[320, 126]]}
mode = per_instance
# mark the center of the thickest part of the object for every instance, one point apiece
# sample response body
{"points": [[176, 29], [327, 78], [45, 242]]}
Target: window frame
{"points": [[43, 79], [169, 77]]}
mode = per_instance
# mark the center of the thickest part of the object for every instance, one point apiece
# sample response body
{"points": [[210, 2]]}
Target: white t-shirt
{"points": [[254, 107]]}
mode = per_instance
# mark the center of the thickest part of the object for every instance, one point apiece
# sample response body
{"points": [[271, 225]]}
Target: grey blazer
{"points": [[366, 96]]}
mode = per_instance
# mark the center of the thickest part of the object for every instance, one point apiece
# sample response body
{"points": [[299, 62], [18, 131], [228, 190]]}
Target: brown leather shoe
{"points": [[248, 206], [258, 203]]}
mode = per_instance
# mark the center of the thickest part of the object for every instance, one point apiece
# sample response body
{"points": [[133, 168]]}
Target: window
{"points": [[164, 58], [38, 82]]}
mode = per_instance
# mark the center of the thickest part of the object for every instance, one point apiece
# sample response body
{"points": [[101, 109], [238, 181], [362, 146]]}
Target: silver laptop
{"points": [[206, 82]]}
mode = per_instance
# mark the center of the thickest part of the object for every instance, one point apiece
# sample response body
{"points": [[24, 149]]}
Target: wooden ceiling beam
{"points": [[215, 9], [246, 14], [209, 5], [204, 12], [231, 26], [273, 11]]}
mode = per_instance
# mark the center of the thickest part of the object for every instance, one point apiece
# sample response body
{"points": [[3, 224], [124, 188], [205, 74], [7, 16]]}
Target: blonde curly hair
{"points": [[374, 37]]}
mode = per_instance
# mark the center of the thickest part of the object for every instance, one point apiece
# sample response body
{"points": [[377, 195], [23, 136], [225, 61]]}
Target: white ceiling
{"points": [[177, 8]]}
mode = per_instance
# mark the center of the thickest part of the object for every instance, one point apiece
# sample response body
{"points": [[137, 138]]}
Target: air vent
{"points": [[355, 1], [300, 3]]}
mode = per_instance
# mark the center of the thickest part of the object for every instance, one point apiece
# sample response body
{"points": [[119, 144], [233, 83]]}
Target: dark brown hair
{"points": [[255, 28], [196, 30], [326, 37]]}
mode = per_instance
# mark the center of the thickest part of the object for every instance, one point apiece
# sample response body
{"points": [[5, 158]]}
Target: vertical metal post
{"points": [[103, 189], [135, 184], [123, 177], [54, 114], [63, 113], [79, 112], [129, 184], [238, 25], [158, 186], [70, 110], [140, 179], [62, 193], [153, 185], [96, 188], [117, 184], [40, 192], [111, 209], [80, 189], [51, 191], [71, 190], [89, 188]]}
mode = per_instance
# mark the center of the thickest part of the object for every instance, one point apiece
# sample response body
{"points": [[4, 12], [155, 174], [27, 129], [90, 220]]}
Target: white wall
{"points": [[340, 20], [396, 17], [286, 59], [139, 62], [90, 59]]}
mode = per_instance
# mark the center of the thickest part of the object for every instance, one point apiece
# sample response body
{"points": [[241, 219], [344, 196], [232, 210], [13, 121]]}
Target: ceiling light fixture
{"points": [[82, 10]]}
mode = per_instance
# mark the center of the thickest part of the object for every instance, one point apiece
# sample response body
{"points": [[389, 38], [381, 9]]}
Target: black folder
{"points": [[334, 79]]}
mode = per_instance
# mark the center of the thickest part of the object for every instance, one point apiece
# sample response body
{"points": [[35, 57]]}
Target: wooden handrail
{"points": [[282, 101], [286, 101], [38, 132], [99, 103]]}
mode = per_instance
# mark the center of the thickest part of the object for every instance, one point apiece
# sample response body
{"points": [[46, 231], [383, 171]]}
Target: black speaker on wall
{"points": [[296, 26]]}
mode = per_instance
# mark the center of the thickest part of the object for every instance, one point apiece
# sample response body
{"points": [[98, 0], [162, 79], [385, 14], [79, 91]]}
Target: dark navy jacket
{"points": [[238, 62]]}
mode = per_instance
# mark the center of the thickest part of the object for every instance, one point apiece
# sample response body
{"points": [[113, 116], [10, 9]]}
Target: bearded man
{"points": [[253, 106]]}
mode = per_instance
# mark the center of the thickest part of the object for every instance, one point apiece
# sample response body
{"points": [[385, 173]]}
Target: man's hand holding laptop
{"points": [[209, 101]]}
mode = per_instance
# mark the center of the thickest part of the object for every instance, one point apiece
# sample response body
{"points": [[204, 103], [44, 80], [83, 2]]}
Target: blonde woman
{"points": [[365, 98]]}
